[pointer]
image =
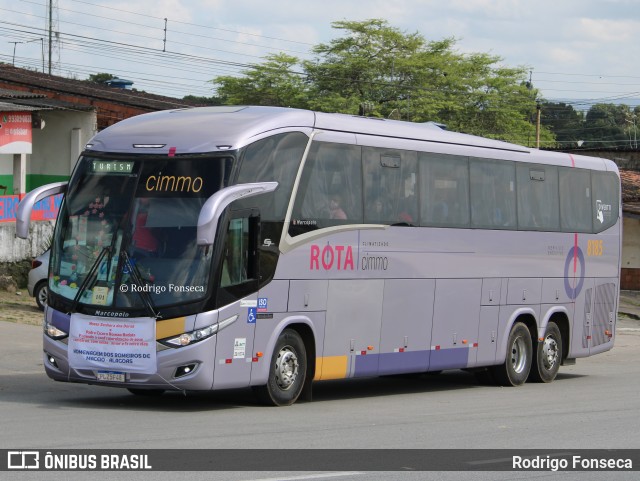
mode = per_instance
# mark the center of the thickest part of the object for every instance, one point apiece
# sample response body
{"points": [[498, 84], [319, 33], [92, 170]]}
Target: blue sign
{"points": [[252, 315], [262, 304]]}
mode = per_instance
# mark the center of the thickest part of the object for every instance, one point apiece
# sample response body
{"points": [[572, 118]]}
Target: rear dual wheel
{"points": [[548, 355], [517, 365]]}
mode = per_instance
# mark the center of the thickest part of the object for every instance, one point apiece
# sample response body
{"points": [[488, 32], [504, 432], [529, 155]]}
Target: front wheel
{"points": [[548, 355], [287, 371], [517, 365]]}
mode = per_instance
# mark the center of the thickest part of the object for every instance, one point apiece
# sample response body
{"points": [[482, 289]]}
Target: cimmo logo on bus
{"points": [[171, 183]]}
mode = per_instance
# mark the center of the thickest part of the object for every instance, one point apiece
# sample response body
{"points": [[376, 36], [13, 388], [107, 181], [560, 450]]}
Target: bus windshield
{"points": [[126, 236]]}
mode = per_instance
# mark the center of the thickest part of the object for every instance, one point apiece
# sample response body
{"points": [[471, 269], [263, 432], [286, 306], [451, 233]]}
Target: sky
{"points": [[578, 51]]}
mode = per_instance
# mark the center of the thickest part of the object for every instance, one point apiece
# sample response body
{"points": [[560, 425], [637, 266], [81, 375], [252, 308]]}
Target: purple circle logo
{"points": [[575, 261]]}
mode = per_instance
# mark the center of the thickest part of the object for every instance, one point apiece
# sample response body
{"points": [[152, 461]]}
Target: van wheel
{"points": [[517, 365], [548, 355], [287, 371]]}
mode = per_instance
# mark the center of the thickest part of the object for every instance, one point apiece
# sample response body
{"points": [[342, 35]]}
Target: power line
{"points": [[576, 74], [139, 35], [157, 58], [197, 25], [160, 30]]}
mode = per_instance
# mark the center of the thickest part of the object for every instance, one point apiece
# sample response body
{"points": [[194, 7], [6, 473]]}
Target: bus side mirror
{"points": [[215, 205], [23, 216]]}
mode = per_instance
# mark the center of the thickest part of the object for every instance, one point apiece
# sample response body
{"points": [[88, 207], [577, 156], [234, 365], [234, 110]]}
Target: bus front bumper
{"points": [[188, 368]]}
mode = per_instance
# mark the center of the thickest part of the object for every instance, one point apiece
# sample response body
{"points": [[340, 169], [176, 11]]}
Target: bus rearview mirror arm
{"points": [[25, 207], [215, 205]]}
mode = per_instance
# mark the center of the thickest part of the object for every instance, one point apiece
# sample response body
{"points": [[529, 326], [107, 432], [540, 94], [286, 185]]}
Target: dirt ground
{"points": [[19, 307]]}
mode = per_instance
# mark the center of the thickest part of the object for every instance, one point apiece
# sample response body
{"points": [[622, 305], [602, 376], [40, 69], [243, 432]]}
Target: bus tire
{"points": [[517, 365], [287, 371], [548, 355]]}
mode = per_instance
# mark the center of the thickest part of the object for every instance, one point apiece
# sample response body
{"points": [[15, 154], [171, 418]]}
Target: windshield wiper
{"points": [[89, 277], [137, 278]]}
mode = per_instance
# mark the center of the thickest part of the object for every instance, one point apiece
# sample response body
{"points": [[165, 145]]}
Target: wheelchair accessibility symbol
{"points": [[251, 316]]}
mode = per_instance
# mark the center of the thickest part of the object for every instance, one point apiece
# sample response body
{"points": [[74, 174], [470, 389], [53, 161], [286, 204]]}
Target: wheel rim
{"points": [[518, 355], [549, 352], [287, 368], [42, 296]]}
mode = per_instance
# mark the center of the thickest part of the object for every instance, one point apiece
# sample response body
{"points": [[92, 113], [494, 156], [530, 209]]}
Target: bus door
{"points": [[238, 290]]}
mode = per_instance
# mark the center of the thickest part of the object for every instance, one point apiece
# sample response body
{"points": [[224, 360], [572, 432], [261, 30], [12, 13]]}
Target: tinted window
{"points": [[273, 159], [575, 200], [330, 191], [493, 194], [605, 199], [538, 204], [390, 186], [444, 190]]}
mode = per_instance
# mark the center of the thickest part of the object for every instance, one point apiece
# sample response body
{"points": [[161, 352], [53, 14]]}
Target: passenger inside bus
{"points": [[379, 211], [335, 207], [144, 242]]}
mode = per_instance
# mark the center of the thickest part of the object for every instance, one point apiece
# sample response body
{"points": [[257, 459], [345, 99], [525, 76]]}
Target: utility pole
{"points": [[54, 34], [164, 41], [14, 52], [538, 125], [50, 32]]}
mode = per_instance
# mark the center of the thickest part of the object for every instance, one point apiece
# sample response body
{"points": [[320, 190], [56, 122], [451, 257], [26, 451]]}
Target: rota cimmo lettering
{"points": [[331, 257]]}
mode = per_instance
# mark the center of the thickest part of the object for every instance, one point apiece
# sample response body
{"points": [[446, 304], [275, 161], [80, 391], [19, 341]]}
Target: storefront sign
{"points": [[15, 133]]}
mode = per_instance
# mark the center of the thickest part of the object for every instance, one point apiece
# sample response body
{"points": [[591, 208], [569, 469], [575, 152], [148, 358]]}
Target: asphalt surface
{"points": [[593, 404]]}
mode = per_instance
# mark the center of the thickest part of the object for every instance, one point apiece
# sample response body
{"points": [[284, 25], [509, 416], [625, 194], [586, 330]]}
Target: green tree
{"points": [[100, 78], [274, 83], [196, 100], [566, 123], [606, 126], [379, 70]]}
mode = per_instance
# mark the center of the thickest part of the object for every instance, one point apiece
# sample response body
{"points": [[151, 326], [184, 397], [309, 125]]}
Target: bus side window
{"points": [[330, 190], [239, 256], [605, 199], [444, 190], [538, 203], [275, 158], [575, 200], [493, 194], [390, 186]]}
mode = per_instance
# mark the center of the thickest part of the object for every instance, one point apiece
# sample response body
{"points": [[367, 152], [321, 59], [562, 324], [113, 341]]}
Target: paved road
{"points": [[594, 404]]}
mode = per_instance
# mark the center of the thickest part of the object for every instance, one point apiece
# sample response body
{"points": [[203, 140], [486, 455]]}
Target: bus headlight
{"points": [[191, 337], [53, 332]]}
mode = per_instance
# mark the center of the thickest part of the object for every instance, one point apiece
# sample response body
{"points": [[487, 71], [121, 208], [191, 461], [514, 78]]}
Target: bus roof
{"points": [[210, 129]]}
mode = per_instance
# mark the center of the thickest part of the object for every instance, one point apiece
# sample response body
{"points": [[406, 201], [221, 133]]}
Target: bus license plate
{"points": [[110, 376]]}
